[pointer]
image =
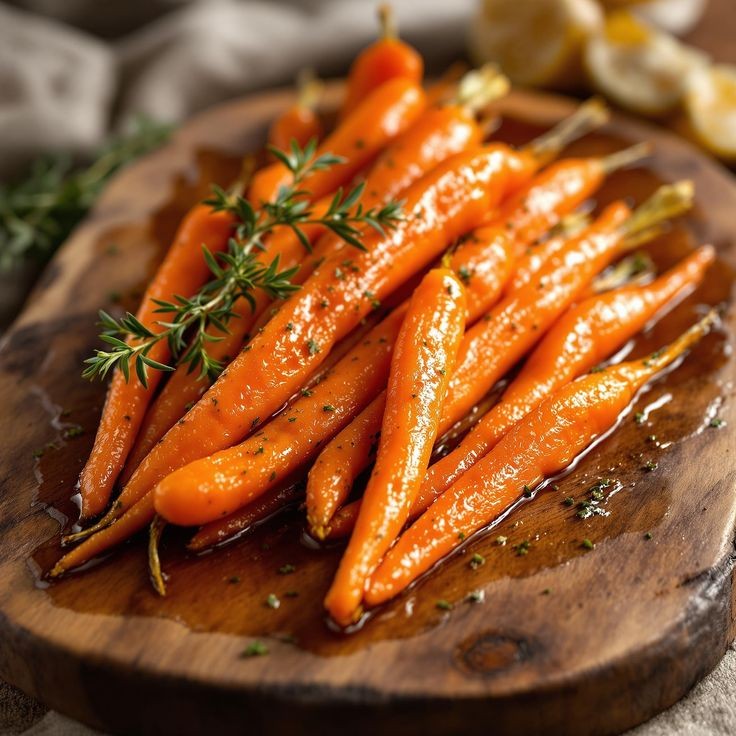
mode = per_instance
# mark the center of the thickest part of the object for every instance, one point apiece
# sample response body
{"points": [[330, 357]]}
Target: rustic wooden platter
{"points": [[567, 641]]}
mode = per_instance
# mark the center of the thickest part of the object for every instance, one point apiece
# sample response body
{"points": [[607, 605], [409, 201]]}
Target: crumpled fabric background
{"points": [[71, 71]]}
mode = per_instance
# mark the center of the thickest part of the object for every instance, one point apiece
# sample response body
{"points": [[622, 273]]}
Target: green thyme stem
{"points": [[237, 272]]}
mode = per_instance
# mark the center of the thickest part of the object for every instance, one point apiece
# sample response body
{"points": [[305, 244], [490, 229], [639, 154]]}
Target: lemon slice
{"points": [[638, 66], [535, 43], [710, 102], [675, 16]]}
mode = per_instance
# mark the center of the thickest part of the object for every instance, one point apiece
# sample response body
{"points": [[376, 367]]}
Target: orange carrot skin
{"points": [[215, 486], [483, 261], [381, 116], [298, 123], [524, 217], [182, 271], [386, 59], [494, 345], [185, 387], [443, 205], [137, 517], [587, 334], [423, 359], [265, 506], [542, 444]]}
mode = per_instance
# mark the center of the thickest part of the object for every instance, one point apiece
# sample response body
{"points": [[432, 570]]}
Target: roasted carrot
{"points": [[508, 331], [183, 271], [440, 207], [228, 529], [540, 445], [185, 386], [381, 116], [587, 334], [438, 134], [539, 205], [300, 121], [222, 483], [295, 435], [385, 59], [423, 360]]}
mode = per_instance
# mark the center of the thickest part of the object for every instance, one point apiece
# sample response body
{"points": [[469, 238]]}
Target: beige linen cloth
{"points": [[67, 82]]}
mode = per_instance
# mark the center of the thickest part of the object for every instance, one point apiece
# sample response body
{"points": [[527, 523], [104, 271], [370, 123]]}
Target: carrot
{"points": [[231, 527], [182, 271], [222, 483], [440, 207], [300, 121], [587, 334], [381, 116], [541, 444], [423, 360], [387, 58], [507, 332], [523, 219], [294, 437], [438, 134]]}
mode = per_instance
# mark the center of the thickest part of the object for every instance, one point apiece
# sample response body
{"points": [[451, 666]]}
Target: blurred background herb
{"points": [[39, 211]]}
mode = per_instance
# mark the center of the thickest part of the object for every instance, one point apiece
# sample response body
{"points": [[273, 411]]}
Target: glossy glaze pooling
{"points": [[226, 590]]}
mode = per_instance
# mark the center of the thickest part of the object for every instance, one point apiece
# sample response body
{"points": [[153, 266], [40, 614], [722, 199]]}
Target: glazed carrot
{"points": [[540, 445], [300, 121], [387, 58], [423, 360], [231, 527], [438, 134], [587, 334], [224, 482], [381, 116], [443, 205], [587, 117], [183, 271], [136, 518], [352, 382], [507, 332], [185, 386], [524, 218]]}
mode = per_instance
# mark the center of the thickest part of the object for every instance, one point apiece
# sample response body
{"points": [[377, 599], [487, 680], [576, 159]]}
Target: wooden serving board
{"points": [[567, 641]]}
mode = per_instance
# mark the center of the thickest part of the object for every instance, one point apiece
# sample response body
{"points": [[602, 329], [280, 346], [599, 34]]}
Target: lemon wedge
{"points": [[675, 16], [638, 66], [535, 43], [710, 103]]}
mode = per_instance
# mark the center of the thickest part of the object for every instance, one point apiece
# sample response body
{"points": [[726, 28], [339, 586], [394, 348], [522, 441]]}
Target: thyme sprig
{"points": [[236, 272], [38, 212]]}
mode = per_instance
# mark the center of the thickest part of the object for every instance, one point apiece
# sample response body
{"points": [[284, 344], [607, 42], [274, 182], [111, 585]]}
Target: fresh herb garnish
{"points": [[38, 213], [237, 272], [255, 649]]}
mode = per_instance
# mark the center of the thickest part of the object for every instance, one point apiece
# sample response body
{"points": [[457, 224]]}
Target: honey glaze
{"points": [[270, 582]]}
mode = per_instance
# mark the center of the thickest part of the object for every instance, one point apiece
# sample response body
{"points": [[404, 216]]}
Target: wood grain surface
{"points": [[567, 641]]}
